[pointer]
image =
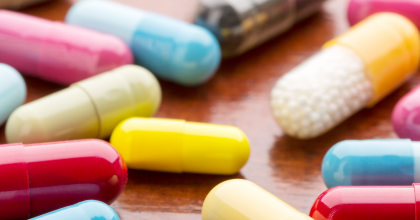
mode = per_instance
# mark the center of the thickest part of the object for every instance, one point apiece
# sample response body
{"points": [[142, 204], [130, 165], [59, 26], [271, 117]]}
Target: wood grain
{"points": [[239, 95]]}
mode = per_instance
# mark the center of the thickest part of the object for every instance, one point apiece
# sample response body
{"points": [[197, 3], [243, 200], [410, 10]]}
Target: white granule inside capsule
{"points": [[321, 92]]}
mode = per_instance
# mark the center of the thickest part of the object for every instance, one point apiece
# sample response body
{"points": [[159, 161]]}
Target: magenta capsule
{"points": [[406, 116], [55, 51]]}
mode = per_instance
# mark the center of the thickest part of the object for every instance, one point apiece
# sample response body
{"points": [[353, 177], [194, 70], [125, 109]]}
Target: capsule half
{"points": [[243, 200], [12, 91], [353, 71], [173, 50], [406, 116], [178, 146], [91, 108]]}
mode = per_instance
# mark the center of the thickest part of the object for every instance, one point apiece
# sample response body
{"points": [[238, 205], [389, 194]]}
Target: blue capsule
{"points": [[372, 162], [173, 50], [87, 210], [12, 91]]}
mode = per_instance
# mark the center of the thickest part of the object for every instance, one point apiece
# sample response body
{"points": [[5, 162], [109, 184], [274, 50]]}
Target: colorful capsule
{"points": [[12, 91], [372, 162], [87, 210], [242, 25], [57, 52], [91, 108], [243, 200], [178, 146], [40, 178], [368, 203], [173, 50], [361, 9], [353, 71], [406, 117]]}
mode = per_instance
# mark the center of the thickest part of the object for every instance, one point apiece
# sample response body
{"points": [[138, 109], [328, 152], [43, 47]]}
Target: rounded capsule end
{"points": [[23, 126], [114, 53], [13, 91], [357, 11], [406, 116], [333, 165], [98, 210]]}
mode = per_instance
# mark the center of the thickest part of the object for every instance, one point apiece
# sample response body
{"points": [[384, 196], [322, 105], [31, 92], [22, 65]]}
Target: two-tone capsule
{"points": [[178, 146], [56, 51], [368, 203], [91, 108], [86, 210], [173, 50], [12, 91], [353, 71], [372, 162], [361, 9], [243, 200], [241, 25], [406, 116], [39, 178]]}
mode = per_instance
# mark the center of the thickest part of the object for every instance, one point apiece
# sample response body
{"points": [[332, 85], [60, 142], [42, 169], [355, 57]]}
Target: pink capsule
{"points": [[361, 9], [55, 51], [406, 116]]}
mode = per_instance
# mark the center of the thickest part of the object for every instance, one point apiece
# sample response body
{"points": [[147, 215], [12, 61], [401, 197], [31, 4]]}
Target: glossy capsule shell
{"points": [[361, 9], [351, 72], [12, 91], [40, 178], [91, 108], [58, 52], [173, 50], [240, 25], [17, 4], [372, 162], [406, 116], [243, 200], [178, 146], [86, 210], [368, 203]]}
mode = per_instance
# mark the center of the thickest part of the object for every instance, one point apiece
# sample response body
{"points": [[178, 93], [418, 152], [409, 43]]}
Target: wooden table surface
{"points": [[239, 95]]}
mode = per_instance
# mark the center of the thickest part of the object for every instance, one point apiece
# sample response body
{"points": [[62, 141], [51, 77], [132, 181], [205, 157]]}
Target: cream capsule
{"points": [[178, 146], [243, 200], [353, 71], [91, 108]]}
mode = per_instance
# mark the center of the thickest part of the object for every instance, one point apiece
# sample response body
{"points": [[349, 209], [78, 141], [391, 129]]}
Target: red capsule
{"points": [[368, 203], [39, 178]]}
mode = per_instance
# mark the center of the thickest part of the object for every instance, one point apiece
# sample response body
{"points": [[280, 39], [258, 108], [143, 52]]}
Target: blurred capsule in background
{"points": [[91, 108], [240, 25], [12, 91], [243, 200], [17, 4], [361, 9], [178, 146], [58, 52], [353, 71], [87, 210], [372, 162], [406, 116], [39, 178], [173, 50], [368, 203]]}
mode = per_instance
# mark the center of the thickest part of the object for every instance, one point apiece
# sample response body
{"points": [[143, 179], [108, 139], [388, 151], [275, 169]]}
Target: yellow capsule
{"points": [[178, 146], [243, 200]]}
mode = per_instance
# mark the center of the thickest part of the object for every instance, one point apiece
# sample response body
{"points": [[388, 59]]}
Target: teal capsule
{"points": [[87, 210]]}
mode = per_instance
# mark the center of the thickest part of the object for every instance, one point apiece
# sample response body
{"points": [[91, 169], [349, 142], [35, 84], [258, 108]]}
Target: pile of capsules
{"points": [[55, 159]]}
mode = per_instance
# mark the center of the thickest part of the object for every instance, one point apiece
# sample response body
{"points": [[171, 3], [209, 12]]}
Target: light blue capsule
{"points": [[372, 162], [173, 50], [12, 91], [87, 210]]}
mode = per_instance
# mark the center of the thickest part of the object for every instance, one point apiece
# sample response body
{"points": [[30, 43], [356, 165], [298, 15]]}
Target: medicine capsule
{"points": [[87, 210], [16, 4], [173, 50], [240, 25], [243, 200], [372, 162], [40, 178], [12, 91], [353, 71], [360, 9], [406, 117], [178, 146], [58, 52], [368, 203], [91, 108]]}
